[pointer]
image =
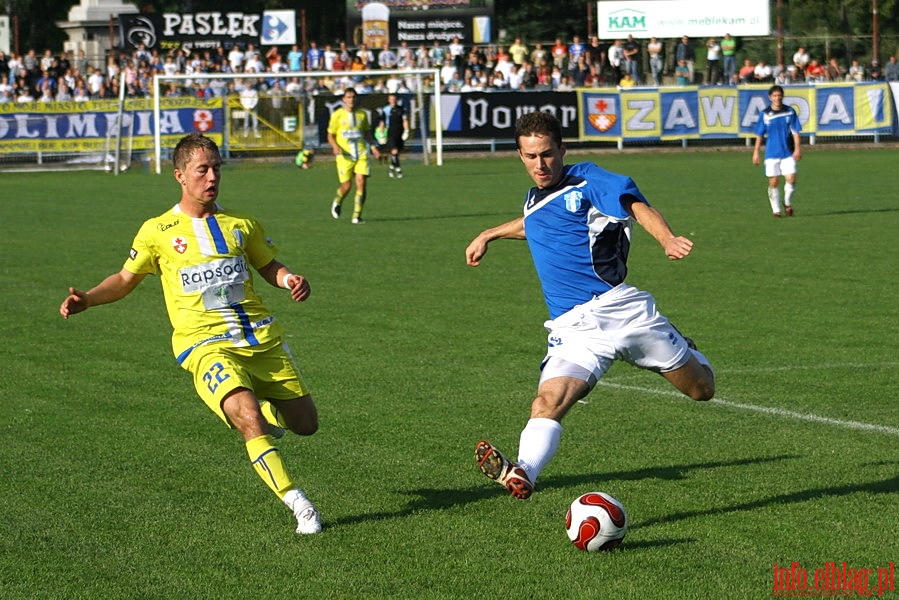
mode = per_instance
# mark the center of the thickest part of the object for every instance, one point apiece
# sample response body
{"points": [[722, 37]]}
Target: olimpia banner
{"points": [[85, 126], [646, 114]]}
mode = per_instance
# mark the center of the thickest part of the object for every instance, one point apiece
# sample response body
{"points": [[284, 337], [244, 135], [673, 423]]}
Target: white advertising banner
{"points": [[4, 35], [676, 18]]}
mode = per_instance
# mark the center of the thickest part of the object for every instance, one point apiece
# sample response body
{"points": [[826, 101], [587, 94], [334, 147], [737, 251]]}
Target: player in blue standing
{"points": [[779, 126], [577, 222]]}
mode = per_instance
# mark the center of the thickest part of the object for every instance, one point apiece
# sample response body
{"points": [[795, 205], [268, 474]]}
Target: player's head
{"points": [[198, 168], [776, 95], [349, 98], [538, 137], [538, 123], [190, 144]]}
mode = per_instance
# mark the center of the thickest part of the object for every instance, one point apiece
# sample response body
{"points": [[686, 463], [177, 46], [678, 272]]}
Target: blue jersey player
{"points": [[577, 222], [779, 127]]}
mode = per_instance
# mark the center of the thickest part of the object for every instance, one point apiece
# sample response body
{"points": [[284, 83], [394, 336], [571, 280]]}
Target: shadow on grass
{"points": [[858, 211], [498, 215], [430, 499], [886, 486]]}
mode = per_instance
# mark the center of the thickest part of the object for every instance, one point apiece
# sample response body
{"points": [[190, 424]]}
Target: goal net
{"points": [[279, 114]]}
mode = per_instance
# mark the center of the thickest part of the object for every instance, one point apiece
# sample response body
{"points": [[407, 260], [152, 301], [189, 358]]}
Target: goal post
{"points": [[421, 85]]}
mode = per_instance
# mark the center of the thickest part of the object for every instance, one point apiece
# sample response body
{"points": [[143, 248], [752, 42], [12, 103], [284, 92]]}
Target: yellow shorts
{"points": [[347, 167], [269, 371]]}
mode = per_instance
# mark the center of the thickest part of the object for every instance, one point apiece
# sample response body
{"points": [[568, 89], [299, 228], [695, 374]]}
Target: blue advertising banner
{"points": [[84, 126]]}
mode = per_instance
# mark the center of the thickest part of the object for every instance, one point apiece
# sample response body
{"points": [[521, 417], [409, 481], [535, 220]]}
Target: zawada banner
{"points": [[724, 111]]}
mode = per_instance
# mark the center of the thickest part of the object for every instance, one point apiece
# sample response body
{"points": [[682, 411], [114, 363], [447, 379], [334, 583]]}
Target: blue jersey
{"points": [[579, 234], [778, 127]]}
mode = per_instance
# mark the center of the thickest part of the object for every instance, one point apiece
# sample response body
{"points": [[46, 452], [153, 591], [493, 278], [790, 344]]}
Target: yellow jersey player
{"points": [[349, 133], [222, 333]]}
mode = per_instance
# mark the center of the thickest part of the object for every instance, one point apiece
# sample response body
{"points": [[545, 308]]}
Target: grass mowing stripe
{"points": [[767, 409]]}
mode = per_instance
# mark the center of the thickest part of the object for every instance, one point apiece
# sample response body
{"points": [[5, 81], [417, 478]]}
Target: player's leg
{"points": [[562, 384], [395, 166], [361, 175], [225, 382], [299, 415], [289, 404], [774, 195], [650, 341], [694, 379], [772, 171], [345, 182], [789, 172]]}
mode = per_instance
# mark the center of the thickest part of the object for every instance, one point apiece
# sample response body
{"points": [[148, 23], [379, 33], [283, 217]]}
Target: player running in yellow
{"points": [[350, 136], [223, 334]]}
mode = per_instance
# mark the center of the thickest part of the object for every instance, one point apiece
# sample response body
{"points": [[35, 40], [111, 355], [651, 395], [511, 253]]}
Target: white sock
{"points": [[774, 197], [538, 444], [296, 500], [789, 188]]}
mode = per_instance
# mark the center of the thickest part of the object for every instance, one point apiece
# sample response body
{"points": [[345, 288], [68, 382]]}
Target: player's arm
{"points": [[371, 141], [797, 153], [756, 156], [113, 288], [281, 277], [335, 147], [654, 223], [512, 230]]}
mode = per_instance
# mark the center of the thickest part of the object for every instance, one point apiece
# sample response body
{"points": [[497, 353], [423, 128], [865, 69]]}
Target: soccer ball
{"points": [[596, 521]]}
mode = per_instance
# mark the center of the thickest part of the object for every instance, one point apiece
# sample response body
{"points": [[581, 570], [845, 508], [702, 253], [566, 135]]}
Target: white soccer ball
{"points": [[596, 521]]}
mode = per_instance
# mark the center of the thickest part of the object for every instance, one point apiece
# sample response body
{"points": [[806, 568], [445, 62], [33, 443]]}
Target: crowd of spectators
{"points": [[561, 65]]}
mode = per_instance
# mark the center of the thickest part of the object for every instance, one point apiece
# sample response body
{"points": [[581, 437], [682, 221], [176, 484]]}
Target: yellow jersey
{"points": [[349, 129], [204, 266]]}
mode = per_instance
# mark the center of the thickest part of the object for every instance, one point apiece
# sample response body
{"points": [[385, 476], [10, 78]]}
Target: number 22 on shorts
{"points": [[214, 376]]}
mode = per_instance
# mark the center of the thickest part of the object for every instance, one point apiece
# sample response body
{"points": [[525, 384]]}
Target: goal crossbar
{"points": [[380, 73]]}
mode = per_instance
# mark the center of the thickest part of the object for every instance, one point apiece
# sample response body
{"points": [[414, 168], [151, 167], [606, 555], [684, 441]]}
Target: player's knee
{"points": [[703, 389], [306, 426]]}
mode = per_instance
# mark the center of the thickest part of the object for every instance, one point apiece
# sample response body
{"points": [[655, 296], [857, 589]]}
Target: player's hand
{"points": [[74, 303], [405, 134], [299, 288], [475, 252], [678, 247], [755, 158]]}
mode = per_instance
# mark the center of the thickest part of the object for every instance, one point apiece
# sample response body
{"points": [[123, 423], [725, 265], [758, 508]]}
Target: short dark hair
{"points": [[775, 88], [538, 123], [190, 144]]}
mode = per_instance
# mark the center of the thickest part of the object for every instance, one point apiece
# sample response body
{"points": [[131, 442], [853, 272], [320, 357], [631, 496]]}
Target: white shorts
{"points": [[775, 167], [622, 324]]}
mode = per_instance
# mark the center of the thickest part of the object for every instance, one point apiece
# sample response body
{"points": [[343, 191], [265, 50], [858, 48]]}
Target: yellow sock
{"points": [[267, 462], [271, 414], [359, 202], [338, 197]]}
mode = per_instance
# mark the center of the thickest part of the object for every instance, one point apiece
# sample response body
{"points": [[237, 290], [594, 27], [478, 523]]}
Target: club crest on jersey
{"points": [[573, 200], [179, 244]]}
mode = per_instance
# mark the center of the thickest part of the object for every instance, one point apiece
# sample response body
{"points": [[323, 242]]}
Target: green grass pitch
{"points": [[118, 483]]}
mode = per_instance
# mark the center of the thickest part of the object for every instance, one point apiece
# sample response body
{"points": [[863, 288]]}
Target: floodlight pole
{"points": [[780, 34], [876, 30]]}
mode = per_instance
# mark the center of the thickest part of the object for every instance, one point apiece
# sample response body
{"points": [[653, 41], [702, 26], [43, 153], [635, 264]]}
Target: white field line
{"points": [[780, 412], [841, 366]]}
